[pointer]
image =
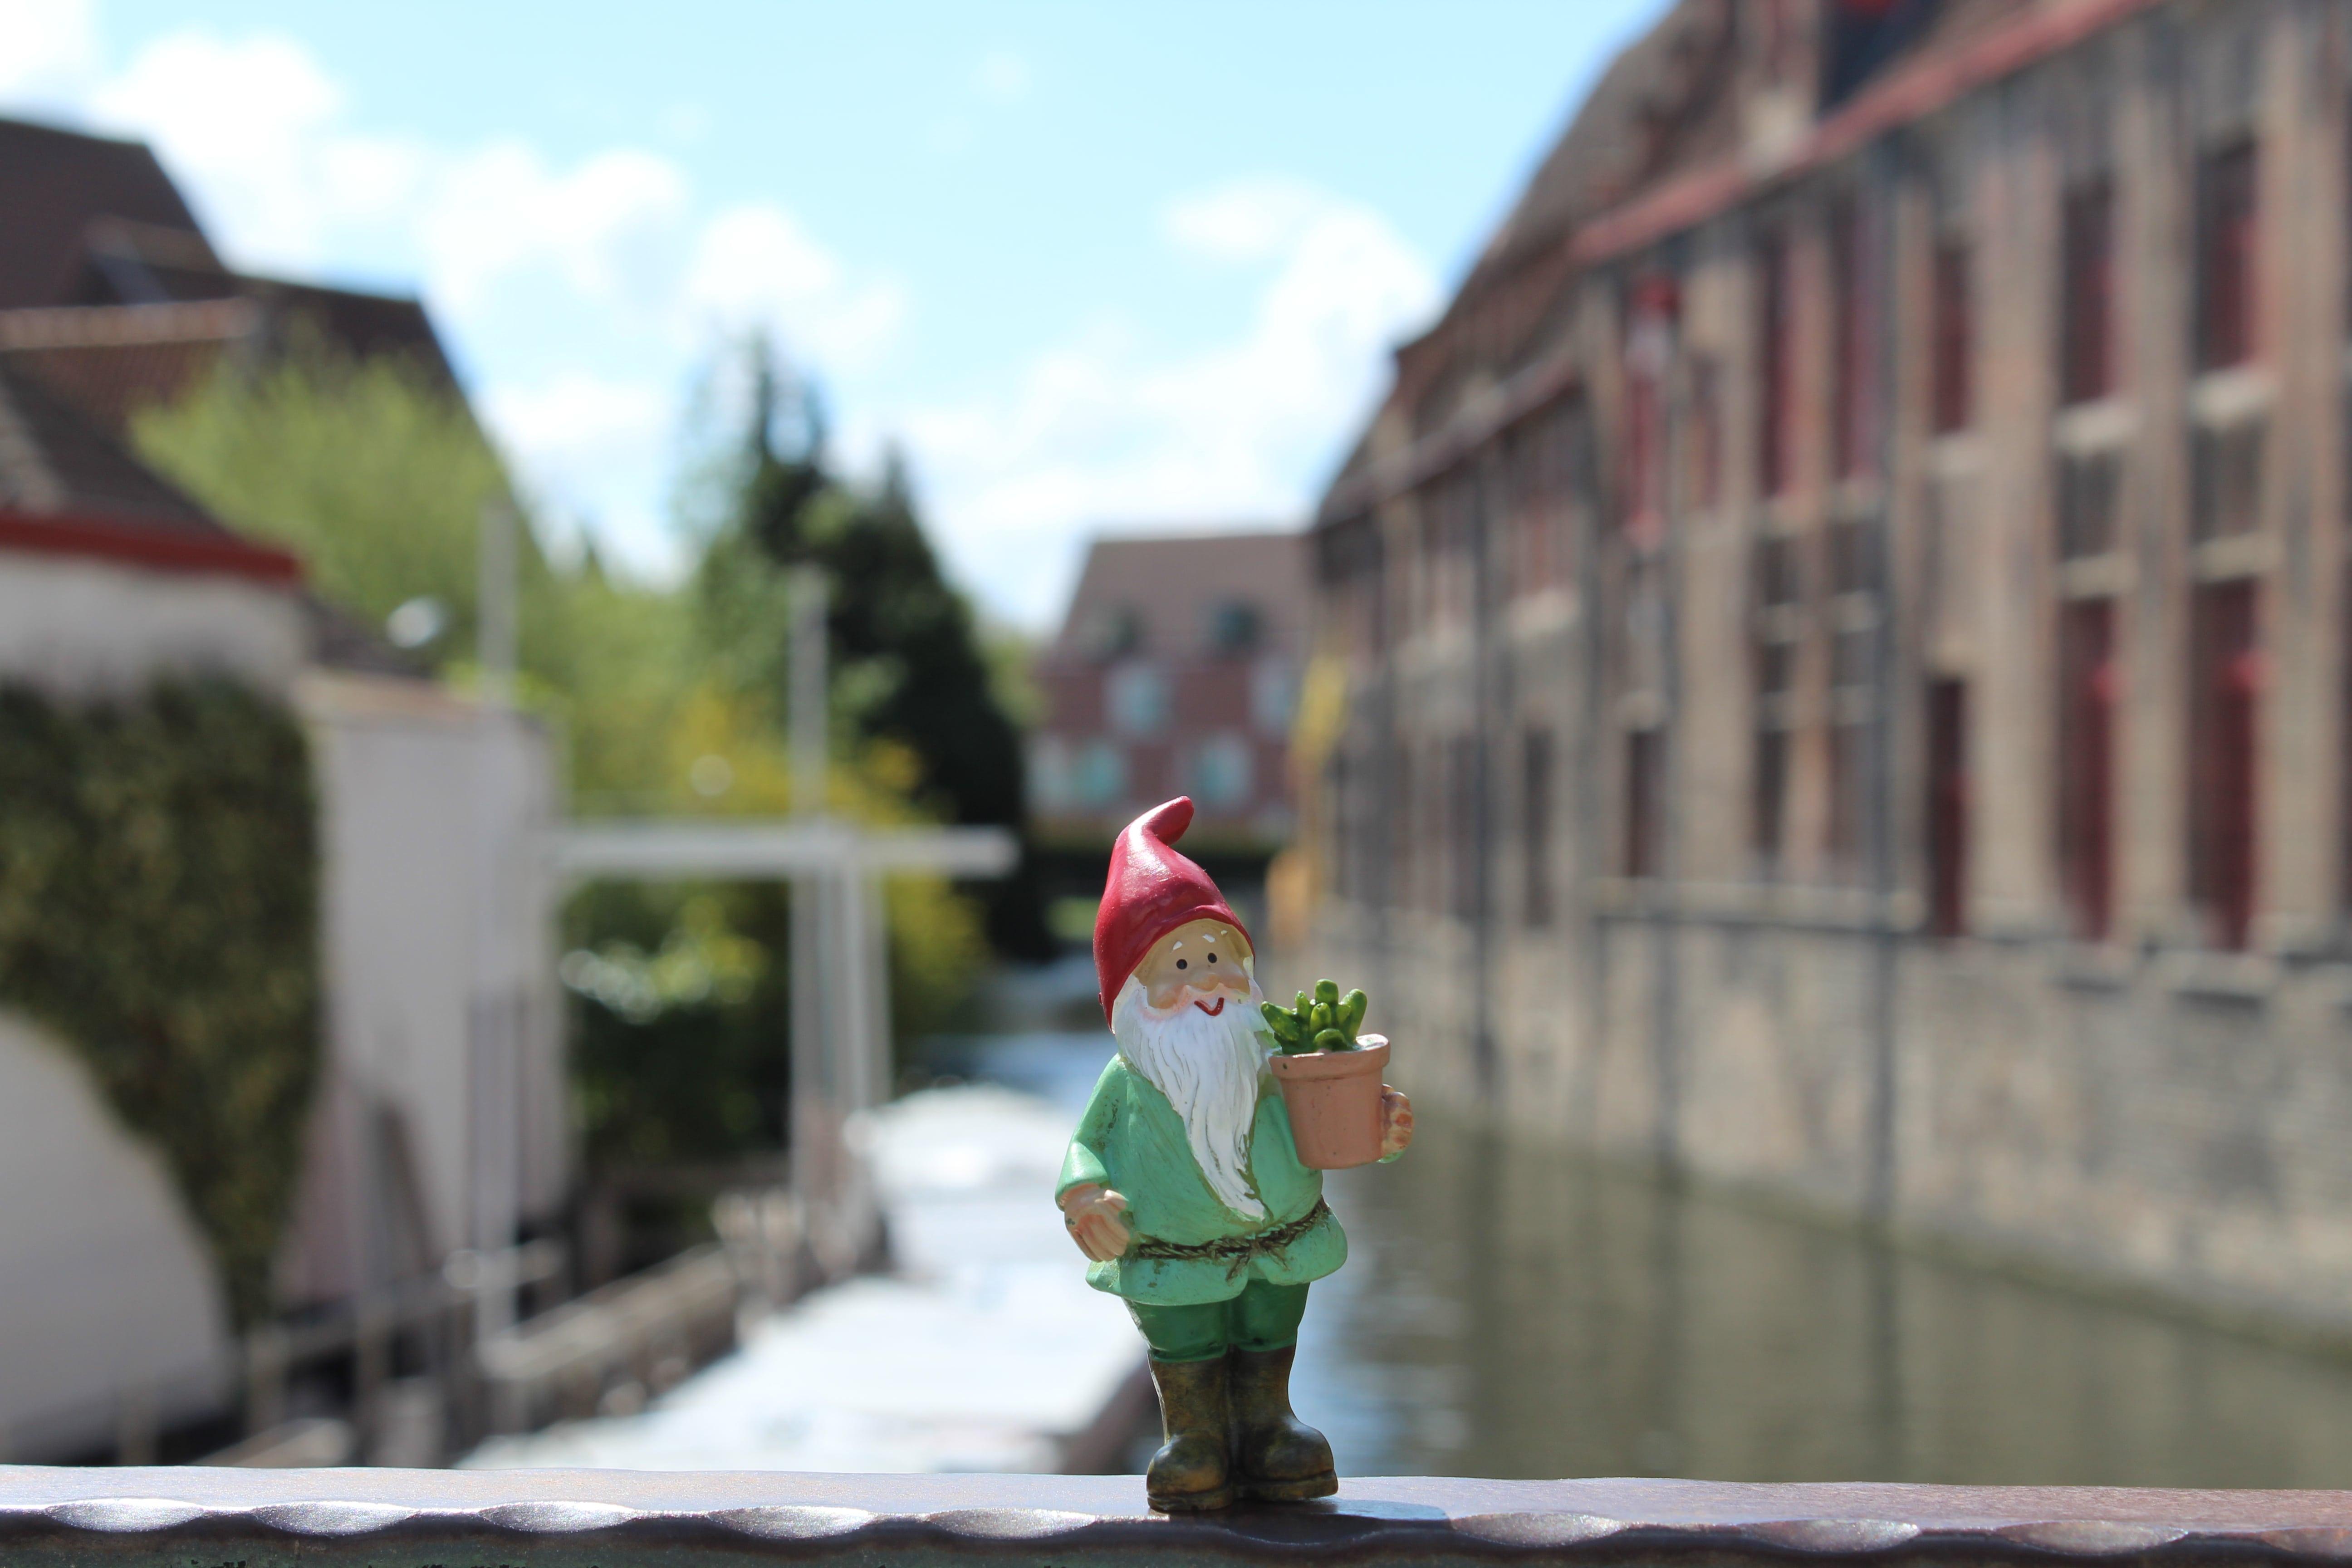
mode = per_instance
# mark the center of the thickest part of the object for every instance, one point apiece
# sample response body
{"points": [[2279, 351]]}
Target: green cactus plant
{"points": [[1321, 1020]]}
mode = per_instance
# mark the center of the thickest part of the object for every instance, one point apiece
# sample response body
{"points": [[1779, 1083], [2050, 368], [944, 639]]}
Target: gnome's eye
{"points": [[1180, 964], [1213, 958]]}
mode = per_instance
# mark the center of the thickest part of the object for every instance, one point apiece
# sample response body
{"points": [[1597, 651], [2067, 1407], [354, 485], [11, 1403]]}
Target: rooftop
{"points": [[1162, 593]]}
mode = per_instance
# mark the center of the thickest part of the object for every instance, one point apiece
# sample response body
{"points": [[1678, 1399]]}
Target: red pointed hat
{"points": [[1152, 890]]}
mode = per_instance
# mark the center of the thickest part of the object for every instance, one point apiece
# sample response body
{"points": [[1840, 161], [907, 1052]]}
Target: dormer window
{"points": [[1117, 632], [1233, 630]]}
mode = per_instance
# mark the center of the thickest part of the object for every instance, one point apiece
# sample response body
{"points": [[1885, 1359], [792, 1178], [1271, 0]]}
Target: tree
{"points": [[909, 662], [670, 702]]}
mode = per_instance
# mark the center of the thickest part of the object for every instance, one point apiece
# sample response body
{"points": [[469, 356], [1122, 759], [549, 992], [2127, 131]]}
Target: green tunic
{"points": [[1132, 1140]]}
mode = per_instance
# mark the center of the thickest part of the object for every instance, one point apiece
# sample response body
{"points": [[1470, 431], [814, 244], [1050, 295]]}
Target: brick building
{"points": [[1175, 672], [1845, 628]]}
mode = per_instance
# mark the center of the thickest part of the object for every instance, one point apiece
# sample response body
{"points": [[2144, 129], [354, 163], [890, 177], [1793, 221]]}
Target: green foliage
{"points": [[158, 903], [910, 662], [1322, 1020], [680, 1049], [669, 700], [373, 474]]}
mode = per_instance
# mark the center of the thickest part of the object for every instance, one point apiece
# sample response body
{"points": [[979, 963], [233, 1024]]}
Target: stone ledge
{"points": [[441, 1518]]}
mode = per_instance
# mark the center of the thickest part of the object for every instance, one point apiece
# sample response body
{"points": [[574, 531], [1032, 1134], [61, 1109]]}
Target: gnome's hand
{"points": [[1092, 1213], [1396, 1123]]}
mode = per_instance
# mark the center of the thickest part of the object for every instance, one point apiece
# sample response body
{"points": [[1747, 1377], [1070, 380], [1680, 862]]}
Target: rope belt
{"points": [[1240, 1250]]}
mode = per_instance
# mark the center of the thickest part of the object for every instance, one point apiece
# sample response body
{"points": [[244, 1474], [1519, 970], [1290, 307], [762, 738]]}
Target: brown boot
{"points": [[1278, 1457], [1193, 1469]]}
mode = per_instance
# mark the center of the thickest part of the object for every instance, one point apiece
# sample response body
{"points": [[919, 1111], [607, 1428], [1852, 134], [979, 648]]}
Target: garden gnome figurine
{"points": [[1184, 1188]]}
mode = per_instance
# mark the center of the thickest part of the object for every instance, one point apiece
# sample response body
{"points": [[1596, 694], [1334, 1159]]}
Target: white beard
{"points": [[1208, 1067]]}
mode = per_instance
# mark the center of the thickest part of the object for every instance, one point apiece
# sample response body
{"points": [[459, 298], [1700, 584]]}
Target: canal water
{"points": [[1508, 1310]]}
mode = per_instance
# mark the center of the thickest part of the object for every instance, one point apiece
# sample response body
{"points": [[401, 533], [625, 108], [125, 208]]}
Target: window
{"points": [[1467, 891], [1052, 784], [2087, 487], [1117, 631], [1775, 366], [1649, 360], [2086, 301], [2225, 687], [1854, 556], [1775, 591], [1948, 808], [1702, 442], [1220, 771], [1232, 629], [1404, 828], [2226, 237], [1274, 695], [1136, 697], [1770, 798], [2225, 480], [1535, 815], [1448, 517], [1539, 457], [1645, 417], [1643, 781], [1101, 775], [1850, 379], [1441, 820], [1849, 759], [1953, 344], [1775, 571], [2088, 681]]}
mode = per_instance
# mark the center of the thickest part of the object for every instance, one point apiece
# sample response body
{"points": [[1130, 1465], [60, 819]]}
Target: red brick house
{"points": [[1175, 673]]}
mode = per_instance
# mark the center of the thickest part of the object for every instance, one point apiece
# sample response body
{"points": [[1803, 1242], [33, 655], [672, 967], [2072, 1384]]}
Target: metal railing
{"points": [[259, 1518]]}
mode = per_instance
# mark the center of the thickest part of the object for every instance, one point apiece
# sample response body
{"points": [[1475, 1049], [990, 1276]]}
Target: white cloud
{"points": [[1098, 432], [1001, 78], [244, 121], [606, 228], [258, 130], [1104, 428], [1244, 220], [755, 266], [263, 138], [49, 50], [593, 445]]}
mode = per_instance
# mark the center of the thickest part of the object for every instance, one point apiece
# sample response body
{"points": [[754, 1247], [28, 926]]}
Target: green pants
{"points": [[1261, 1318]]}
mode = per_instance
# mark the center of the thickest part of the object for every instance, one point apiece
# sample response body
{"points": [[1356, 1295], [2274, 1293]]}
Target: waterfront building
{"points": [[1844, 628]]}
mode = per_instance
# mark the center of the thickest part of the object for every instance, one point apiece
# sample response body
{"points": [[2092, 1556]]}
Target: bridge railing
{"points": [[588, 1519]]}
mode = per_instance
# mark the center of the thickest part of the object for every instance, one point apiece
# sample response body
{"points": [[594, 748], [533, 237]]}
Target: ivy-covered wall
{"points": [[159, 912]]}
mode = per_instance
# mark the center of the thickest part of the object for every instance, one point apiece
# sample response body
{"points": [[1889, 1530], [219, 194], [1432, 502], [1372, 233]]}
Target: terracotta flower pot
{"points": [[1334, 1100]]}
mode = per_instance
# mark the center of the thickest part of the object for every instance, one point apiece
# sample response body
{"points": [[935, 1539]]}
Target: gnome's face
{"points": [[1204, 964]]}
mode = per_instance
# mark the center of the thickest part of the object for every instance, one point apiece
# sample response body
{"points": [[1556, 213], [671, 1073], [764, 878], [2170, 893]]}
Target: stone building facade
{"points": [[1843, 624]]}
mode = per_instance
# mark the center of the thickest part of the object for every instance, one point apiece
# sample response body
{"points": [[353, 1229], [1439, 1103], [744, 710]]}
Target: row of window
{"points": [[1429, 854], [1139, 698], [1230, 628], [2088, 336], [1435, 860], [1218, 771]]}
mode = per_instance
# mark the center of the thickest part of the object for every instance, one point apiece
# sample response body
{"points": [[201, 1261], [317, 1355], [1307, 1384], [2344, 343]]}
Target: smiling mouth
{"points": [[1211, 1012]]}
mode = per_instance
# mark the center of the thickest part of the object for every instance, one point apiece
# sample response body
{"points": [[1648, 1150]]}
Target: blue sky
{"points": [[1093, 266]]}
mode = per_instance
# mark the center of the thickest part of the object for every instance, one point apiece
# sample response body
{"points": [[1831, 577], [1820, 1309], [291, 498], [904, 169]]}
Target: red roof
{"points": [[67, 489]]}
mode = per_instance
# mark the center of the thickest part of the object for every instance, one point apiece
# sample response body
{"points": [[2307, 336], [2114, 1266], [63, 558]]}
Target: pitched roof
{"points": [[55, 186], [66, 488], [110, 361], [110, 292], [1166, 588]]}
